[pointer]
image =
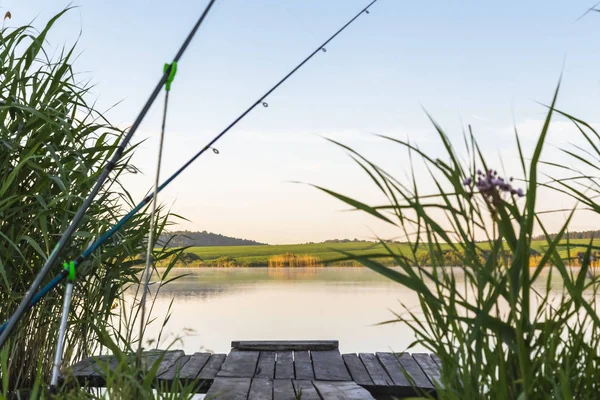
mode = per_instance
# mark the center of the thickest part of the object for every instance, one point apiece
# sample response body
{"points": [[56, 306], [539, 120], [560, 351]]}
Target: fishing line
{"points": [[95, 245], [110, 165]]}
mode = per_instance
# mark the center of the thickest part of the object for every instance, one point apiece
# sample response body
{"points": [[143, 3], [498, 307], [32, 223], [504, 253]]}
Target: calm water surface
{"points": [[213, 306]]}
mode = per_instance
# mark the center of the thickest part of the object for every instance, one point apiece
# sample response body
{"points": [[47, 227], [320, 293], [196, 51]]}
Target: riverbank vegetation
{"points": [[331, 254], [54, 145], [497, 337]]}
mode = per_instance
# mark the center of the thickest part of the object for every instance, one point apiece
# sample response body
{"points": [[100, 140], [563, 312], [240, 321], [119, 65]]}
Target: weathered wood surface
{"points": [[393, 368], [166, 362], [342, 391], [303, 367], [173, 372], [192, 368], [239, 364], [284, 366], [357, 369], [294, 345], [415, 371], [306, 389], [281, 374], [266, 365], [261, 389], [212, 367], [283, 389], [329, 366], [92, 371], [429, 366], [376, 371], [229, 388]]}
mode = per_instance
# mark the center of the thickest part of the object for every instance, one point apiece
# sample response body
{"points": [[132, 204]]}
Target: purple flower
{"points": [[490, 185]]}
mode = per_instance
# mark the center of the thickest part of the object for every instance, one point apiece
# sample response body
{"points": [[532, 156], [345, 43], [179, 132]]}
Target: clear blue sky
{"points": [[466, 62]]}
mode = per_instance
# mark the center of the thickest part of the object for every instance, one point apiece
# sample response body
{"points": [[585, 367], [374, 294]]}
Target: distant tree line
{"points": [[355, 240], [573, 235], [204, 238]]}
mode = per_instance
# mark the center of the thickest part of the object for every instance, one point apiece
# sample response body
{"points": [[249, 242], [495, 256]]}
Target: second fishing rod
{"points": [[260, 101]]}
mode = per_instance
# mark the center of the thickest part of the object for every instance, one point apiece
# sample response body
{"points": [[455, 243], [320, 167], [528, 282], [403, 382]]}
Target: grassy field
{"points": [[309, 254], [260, 255]]}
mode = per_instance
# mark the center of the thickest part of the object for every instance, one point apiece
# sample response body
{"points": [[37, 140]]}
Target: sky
{"points": [[491, 65]]}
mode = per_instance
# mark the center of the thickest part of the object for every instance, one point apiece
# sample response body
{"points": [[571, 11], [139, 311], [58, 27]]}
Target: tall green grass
{"points": [[53, 145], [496, 336]]}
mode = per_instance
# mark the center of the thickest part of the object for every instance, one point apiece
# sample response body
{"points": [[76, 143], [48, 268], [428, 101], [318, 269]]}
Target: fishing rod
{"points": [[260, 101], [109, 166]]}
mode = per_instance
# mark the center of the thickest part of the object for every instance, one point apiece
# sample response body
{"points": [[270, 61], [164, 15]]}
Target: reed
{"points": [[53, 147], [294, 260], [496, 335]]}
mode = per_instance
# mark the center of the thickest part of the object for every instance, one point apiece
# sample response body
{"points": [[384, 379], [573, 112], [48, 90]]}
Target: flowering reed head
{"points": [[491, 186]]}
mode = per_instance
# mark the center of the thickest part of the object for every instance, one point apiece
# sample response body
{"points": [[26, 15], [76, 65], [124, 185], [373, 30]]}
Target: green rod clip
{"points": [[171, 74], [71, 268]]}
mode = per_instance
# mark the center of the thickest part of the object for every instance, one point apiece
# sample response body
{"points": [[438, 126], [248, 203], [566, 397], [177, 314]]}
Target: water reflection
{"points": [[221, 305], [288, 274]]}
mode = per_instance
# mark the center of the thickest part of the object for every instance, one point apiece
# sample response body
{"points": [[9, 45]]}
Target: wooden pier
{"points": [[283, 370]]}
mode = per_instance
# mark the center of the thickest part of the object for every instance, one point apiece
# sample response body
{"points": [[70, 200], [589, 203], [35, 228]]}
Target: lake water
{"points": [[213, 306]]}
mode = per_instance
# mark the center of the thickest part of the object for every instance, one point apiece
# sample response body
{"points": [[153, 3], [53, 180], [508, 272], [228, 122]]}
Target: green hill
{"points": [[188, 238]]}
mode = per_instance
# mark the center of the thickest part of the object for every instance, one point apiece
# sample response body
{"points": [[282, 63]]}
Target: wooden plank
{"points": [[393, 368], [93, 375], [210, 370], [82, 365], [329, 366], [375, 369], [98, 364], [168, 359], [173, 372], [229, 388], [75, 368], [261, 389], [283, 389], [342, 391], [430, 367], [150, 357], [303, 365], [192, 368], [90, 368], [414, 370], [239, 364], [284, 366], [266, 365], [357, 370], [305, 390], [281, 345]]}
